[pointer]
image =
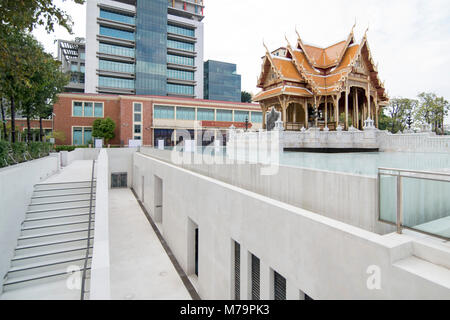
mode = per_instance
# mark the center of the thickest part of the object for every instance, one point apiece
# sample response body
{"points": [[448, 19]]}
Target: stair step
{"points": [[65, 188], [42, 255], [61, 197], [37, 247], [62, 183], [55, 225], [49, 243], [57, 204], [57, 217], [54, 236], [47, 253], [62, 191], [48, 265], [38, 278], [51, 228], [59, 209]]}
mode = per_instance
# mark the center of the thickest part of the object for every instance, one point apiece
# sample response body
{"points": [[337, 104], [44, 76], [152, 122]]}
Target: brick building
{"points": [[148, 118]]}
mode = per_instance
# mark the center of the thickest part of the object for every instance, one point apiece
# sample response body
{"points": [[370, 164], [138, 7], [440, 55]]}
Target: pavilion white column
{"points": [[357, 109], [326, 111], [305, 107], [368, 97], [264, 111], [346, 107]]}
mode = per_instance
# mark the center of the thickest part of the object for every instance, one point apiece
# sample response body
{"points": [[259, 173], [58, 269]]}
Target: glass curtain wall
{"points": [[151, 47]]}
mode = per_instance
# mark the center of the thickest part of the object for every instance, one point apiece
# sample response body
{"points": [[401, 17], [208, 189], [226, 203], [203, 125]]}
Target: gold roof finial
{"points": [[287, 40], [264, 44]]}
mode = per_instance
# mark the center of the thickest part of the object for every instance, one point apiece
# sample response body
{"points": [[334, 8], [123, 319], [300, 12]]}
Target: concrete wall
{"points": [[321, 257], [79, 154], [121, 160], [349, 198], [100, 268], [16, 188]]}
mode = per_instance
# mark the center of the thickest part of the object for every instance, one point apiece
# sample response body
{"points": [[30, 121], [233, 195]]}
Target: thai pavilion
{"points": [[340, 80]]}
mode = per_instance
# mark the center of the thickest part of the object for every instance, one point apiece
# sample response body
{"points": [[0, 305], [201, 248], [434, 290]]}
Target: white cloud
{"points": [[409, 38]]}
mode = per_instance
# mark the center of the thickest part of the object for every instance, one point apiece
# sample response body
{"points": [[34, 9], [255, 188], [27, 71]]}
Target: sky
{"points": [[410, 39]]}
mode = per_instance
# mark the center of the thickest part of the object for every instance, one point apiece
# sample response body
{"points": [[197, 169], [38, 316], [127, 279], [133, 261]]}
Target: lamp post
{"points": [[246, 123]]}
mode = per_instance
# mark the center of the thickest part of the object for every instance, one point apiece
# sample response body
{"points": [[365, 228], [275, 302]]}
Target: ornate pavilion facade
{"points": [[340, 80]]}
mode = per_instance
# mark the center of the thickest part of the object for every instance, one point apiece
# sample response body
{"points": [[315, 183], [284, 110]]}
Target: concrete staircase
{"points": [[54, 235]]}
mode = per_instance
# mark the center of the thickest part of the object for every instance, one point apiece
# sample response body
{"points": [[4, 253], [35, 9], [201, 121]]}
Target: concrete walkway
{"points": [[140, 268], [79, 170]]}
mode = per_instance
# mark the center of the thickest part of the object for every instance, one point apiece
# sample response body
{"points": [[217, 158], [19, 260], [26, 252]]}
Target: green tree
{"points": [[104, 128], [246, 97], [400, 110], [432, 110], [17, 65], [27, 14]]}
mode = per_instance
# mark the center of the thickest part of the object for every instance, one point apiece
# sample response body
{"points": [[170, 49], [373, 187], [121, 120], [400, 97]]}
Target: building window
{"points": [[115, 83], [181, 31], [224, 115], [179, 45], [116, 66], [163, 112], [237, 271], [180, 60], [87, 109], [116, 33], [256, 117], [185, 113], [74, 67], [279, 286], [179, 74], [81, 136], [116, 50], [180, 89], [137, 125], [119, 180], [119, 17], [205, 114], [98, 110], [77, 109], [255, 278], [240, 116]]}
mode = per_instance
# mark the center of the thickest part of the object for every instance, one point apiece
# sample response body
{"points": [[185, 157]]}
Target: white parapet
{"points": [[369, 138]]}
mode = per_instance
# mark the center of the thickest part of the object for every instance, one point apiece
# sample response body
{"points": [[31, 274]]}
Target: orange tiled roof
{"points": [[323, 70], [296, 91], [287, 68], [325, 57]]}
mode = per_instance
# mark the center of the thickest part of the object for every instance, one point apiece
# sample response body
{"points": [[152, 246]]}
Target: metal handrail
{"points": [[398, 173], [83, 279]]}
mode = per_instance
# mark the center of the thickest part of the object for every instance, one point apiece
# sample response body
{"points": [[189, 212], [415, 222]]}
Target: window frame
{"points": [[82, 134], [93, 109], [140, 135]]}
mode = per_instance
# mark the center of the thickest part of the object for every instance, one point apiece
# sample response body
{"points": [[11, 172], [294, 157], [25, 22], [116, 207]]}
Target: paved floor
{"points": [[140, 268], [79, 170]]}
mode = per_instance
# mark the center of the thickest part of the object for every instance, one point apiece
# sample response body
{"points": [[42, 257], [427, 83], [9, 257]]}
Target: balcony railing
{"points": [[415, 200]]}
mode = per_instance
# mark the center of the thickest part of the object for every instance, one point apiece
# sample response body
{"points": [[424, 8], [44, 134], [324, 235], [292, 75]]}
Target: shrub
{"points": [[4, 148], [22, 151], [68, 148], [19, 149]]}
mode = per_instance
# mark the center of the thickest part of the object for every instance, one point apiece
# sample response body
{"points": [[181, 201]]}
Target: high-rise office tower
{"points": [[145, 47], [221, 82]]}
